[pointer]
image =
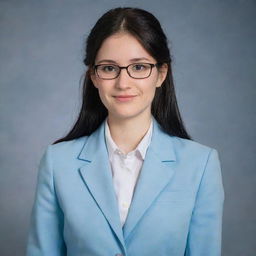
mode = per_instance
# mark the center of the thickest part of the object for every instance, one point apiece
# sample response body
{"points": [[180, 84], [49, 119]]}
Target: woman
{"points": [[128, 179]]}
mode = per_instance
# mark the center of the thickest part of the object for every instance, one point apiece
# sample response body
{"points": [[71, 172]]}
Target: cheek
{"points": [[149, 89], [101, 87], [151, 94], [104, 94]]}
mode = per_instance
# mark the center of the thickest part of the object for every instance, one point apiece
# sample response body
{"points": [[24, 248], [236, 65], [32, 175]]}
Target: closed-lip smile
{"points": [[124, 96]]}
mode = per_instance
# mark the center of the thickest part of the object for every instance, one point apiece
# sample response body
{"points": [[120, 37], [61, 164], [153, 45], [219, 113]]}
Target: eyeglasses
{"points": [[135, 70]]}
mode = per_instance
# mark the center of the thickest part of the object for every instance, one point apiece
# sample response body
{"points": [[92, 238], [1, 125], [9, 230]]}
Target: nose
{"points": [[123, 80]]}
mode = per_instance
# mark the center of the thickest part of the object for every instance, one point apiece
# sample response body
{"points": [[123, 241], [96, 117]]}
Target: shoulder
{"points": [[192, 151], [67, 150], [69, 145], [179, 149], [190, 145]]}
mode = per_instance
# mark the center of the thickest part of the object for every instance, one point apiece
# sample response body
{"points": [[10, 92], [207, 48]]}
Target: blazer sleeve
{"points": [[46, 224], [205, 231]]}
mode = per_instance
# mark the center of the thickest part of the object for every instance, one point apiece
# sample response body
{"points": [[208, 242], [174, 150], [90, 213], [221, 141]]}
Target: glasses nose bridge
{"points": [[120, 69]]}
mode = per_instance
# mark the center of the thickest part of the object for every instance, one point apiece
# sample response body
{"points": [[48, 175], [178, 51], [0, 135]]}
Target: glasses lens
{"points": [[139, 70], [107, 71]]}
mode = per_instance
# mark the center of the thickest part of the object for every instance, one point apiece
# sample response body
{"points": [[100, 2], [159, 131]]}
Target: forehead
{"points": [[122, 48]]}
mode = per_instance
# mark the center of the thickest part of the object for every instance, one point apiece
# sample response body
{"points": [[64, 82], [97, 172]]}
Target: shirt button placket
{"points": [[127, 169], [125, 205]]}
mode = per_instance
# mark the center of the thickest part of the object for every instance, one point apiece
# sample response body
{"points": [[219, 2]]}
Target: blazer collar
{"points": [[161, 143], [141, 147], [156, 172]]}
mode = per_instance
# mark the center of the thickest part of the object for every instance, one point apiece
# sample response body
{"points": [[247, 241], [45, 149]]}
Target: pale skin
{"points": [[130, 120]]}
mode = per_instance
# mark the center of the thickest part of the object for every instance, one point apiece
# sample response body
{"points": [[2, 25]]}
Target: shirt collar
{"points": [[141, 148]]}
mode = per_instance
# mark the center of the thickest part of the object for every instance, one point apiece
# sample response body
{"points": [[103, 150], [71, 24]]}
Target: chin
{"points": [[127, 115]]}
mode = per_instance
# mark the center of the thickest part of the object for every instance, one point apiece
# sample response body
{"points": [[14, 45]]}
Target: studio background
{"points": [[41, 52]]}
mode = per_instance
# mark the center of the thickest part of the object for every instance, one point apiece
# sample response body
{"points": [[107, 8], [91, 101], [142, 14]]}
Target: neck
{"points": [[127, 133]]}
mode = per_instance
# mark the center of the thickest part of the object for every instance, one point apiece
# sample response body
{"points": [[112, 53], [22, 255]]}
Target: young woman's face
{"points": [[121, 49]]}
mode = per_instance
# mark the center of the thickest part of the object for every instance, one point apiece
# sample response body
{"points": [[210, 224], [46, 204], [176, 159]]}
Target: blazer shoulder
{"points": [[192, 144], [67, 149], [192, 149]]}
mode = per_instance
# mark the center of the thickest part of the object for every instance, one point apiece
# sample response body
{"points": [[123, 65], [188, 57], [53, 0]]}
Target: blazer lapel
{"points": [[97, 175], [156, 172]]}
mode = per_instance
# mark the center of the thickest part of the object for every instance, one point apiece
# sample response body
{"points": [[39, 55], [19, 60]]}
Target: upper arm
{"points": [[46, 224], [204, 236]]}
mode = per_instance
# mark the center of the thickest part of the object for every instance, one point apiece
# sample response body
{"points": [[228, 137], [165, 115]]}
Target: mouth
{"points": [[124, 98]]}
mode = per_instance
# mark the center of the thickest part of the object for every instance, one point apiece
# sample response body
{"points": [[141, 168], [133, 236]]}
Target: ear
{"points": [[163, 70], [93, 77]]}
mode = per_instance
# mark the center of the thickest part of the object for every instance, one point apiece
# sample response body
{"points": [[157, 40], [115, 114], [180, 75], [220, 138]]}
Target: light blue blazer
{"points": [[176, 208]]}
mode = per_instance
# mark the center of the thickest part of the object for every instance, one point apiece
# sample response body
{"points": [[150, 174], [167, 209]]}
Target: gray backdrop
{"points": [[41, 51]]}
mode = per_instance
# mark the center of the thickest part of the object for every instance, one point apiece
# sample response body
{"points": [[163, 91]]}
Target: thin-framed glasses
{"points": [[135, 70]]}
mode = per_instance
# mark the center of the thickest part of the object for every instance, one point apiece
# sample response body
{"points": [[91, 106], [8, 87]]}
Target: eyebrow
{"points": [[131, 60]]}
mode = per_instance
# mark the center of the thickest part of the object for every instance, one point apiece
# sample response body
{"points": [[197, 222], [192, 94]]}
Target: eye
{"points": [[108, 68], [139, 67]]}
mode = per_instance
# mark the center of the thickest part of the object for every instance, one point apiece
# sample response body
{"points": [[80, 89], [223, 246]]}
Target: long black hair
{"points": [[147, 29]]}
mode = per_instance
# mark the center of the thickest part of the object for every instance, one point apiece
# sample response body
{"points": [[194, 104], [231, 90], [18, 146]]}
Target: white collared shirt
{"points": [[126, 168]]}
